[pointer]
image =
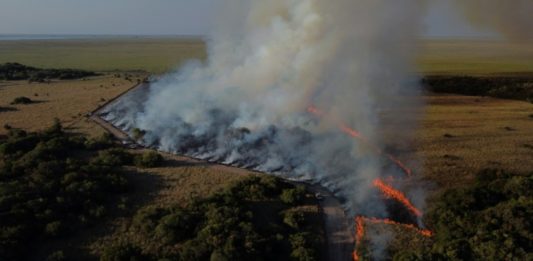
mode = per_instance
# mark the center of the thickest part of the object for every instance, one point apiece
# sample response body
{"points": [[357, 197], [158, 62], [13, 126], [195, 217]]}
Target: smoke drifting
{"points": [[512, 18], [268, 62]]}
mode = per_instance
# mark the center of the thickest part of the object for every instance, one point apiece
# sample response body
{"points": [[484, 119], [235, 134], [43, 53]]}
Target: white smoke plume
{"points": [[270, 60], [512, 18]]}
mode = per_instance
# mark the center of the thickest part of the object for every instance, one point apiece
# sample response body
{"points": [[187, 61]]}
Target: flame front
{"points": [[387, 190], [397, 195], [358, 135], [359, 234]]}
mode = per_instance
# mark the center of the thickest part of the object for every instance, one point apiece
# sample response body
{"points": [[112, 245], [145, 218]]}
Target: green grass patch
{"points": [[154, 55]]}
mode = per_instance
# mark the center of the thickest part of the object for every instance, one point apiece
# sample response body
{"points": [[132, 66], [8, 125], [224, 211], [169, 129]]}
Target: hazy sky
{"points": [[190, 17]]}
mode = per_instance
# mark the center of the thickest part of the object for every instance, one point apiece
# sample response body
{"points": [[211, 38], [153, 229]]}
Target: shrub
{"points": [[56, 256], [46, 190], [293, 196], [294, 219], [16, 71], [229, 225], [21, 100], [103, 142], [138, 134], [488, 220], [122, 252], [113, 157], [303, 247], [53, 228], [149, 159]]}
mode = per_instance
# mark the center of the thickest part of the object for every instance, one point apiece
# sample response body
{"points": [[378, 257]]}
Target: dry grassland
{"points": [[460, 135], [69, 101]]}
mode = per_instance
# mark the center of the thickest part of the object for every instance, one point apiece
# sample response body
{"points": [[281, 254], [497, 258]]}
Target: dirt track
{"points": [[338, 233]]}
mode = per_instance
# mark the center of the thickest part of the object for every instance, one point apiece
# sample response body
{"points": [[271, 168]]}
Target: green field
{"points": [[155, 55], [469, 57]]}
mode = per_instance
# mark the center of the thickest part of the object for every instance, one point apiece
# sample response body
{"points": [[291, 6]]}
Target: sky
{"points": [[163, 17]]}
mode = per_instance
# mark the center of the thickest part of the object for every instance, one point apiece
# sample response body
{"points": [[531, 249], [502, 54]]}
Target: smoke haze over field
{"points": [[512, 18], [269, 61]]}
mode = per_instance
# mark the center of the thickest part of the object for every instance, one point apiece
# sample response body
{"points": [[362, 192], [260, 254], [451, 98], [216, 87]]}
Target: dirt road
{"points": [[338, 232]]}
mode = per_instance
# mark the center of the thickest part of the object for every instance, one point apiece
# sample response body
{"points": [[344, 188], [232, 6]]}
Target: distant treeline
{"points": [[16, 71], [507, 87]]}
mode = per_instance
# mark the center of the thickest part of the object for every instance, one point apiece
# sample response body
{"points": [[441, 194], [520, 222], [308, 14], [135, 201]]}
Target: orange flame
{"points": [[360, 230], [356, 134], [386, 189], [359, 234], [423, 232], [314, 110], [400, 165], [397, 195]]}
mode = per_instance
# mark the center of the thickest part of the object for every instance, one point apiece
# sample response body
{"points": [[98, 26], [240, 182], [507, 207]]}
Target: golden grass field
{"points": [[69, 101], [461, 135]]}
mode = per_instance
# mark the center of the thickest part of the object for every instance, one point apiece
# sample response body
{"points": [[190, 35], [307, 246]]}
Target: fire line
{"points": [[397, 195], [387, 190], [356, 134]]}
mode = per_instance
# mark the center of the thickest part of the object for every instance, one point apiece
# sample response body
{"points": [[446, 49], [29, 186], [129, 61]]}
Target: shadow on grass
{"points": [[173, 163], [7, 109]]}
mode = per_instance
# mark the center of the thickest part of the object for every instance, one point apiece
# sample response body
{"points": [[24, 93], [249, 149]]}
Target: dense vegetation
{"points": [[51, 185], [54, 185], [16, 71], [519, 88], [255, 219], [489, 220]]}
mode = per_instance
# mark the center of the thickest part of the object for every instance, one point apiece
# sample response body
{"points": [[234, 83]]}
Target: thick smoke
{"points": [[270, 60], [512, 18]]}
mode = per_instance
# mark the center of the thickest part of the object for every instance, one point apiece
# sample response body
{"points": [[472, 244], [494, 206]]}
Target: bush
{"points": [[122, 252], [103, 142], [16, 71], [293, 196], [56, 256], [113, 157], [53, 229], [149, 159], [47, 190], [294, 219], [138, 134], [303, 247], [489, 220], [230, 225], [21, 100]]}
